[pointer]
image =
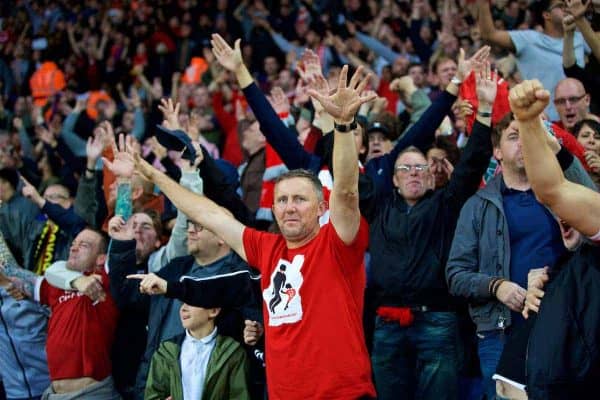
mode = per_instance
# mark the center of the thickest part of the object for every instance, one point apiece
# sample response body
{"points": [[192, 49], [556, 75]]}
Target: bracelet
{"points": [[497, 286], [484, 114], [92, 171], [345, 128]]}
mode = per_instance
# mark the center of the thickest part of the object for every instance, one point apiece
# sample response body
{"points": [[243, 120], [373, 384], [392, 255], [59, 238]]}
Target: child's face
{"points": [[195, 317]]}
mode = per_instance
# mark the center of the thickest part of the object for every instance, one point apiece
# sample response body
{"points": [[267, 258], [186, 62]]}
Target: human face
{"points": [[6, 190], [200, 97], [297, 209], [379, 145], [435, 159], [445, 71], [58, 194], [252, 139], [412, 184], [571, 102], [196, 318], [271, 66], [589, 138], [556, 13], [84, 251], [509, 150], [417, 74], [201, 241], [146, 237]]}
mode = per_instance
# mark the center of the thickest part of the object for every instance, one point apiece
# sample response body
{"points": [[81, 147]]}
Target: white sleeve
{"points": [[60, 277]]}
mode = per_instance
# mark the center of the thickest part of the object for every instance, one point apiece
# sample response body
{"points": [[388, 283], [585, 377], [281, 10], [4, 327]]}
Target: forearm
{"points": [[75, 143], [485, 20], [568, 49], [59, 276], [379, 48], [139, 124], [26, 145], [543, 170], [590, 37]]}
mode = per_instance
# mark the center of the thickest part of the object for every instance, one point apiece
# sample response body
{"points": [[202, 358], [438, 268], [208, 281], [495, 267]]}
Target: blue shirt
{"points": [[535, 239]]}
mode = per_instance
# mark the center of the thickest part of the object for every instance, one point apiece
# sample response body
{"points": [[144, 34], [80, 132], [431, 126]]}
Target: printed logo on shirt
{"points": [[68, 296], [282, 297]]}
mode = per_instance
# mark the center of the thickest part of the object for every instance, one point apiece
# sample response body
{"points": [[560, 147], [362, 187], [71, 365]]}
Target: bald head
{"points": [[571, 101]]}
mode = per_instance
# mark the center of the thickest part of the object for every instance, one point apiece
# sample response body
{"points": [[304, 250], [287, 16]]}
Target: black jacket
{"points": [[565, 364], [409, 246]]}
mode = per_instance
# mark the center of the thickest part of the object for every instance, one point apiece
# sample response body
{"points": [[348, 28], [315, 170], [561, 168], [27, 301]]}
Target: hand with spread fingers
{"points": [[150, 283], [465, 66], [486, 85], [170, 113], [343, 104], [279, 101], [230, 58], [123, 164], [528, 100]]}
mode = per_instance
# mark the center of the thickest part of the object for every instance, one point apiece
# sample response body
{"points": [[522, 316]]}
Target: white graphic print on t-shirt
{"points": [[282, 297]]}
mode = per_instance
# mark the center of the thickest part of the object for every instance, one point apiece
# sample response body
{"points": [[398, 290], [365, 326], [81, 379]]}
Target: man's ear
{"points": [[101, 260], [214, 312], [158, 243], [497, 154], [136, 193], [323, 207]]}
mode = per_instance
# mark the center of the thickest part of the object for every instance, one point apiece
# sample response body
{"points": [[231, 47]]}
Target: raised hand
{"points": [[528, 100], [193, 127], [343, 104], [46, 136], [465, 67], [403, 84], [123, 164], [170, 113], [576, 8], [279, 101], [487, 84], [309, 66], [150, 283], [158, 149], [95, 145], [30, 192], [119, 229], [593, 161], [230, 59]]}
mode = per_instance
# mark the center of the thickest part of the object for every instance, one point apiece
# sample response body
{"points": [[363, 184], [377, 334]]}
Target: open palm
{"points": [[343, 104], [229, 58]]}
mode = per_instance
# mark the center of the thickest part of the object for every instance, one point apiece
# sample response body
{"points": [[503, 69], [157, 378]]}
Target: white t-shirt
{"points": [[539, 56]]}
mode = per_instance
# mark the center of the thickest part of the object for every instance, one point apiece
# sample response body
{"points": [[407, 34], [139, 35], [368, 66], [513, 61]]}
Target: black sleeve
{"points": [[122, 262]]}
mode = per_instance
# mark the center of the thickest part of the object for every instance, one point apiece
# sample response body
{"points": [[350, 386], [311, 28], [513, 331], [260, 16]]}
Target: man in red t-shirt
{"points": [[315, 347], [80, 331]]}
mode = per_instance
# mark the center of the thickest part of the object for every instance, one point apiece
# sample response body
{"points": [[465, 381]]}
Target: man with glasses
{"points": [[539, 54], [415, 339], [571, 102]]}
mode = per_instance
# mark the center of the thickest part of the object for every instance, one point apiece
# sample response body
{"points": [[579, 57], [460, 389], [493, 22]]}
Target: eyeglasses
{"points": [[406, 168], [55, 197], [195, 226], [571, 100], [560, 5]]}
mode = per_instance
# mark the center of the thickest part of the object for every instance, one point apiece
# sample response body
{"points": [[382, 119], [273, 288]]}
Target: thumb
{"points": [[542, 94], [97, 277], [236, 45]]}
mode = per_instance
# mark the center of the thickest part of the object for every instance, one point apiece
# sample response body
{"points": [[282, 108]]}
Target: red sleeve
{"points": [[353, 253], [252, 247], [45, 293], [571, 144], [312, 138]]}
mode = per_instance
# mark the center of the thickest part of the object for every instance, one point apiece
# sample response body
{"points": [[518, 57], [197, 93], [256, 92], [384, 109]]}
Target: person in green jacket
{"points": [[200, 364]]}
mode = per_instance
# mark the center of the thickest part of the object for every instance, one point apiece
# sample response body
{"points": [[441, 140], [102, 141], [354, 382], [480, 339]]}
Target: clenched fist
{"points": [[528, 100]]}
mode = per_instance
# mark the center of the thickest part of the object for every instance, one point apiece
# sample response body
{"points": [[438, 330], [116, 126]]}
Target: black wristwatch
{"points": [[345, 128]]}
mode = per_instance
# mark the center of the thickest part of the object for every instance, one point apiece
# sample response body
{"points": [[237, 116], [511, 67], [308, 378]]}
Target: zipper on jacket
{"points": [[501, 322]]}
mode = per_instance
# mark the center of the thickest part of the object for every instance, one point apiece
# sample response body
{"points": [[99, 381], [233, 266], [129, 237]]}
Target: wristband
{"points": [[484, 114], [92, 171], [345, 128]]}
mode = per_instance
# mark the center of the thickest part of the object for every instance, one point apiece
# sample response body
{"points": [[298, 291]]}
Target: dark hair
{"points": [[156, 220], [303, 173], [500, 127], [592, 123], [440, 60], [449, 146], [103, 243]]}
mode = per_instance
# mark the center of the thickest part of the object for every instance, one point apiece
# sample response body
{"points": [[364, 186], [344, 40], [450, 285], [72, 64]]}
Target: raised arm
{"points": [[564, 198], [343, 105], [578, 9], [488, 30], [277, 134]]}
